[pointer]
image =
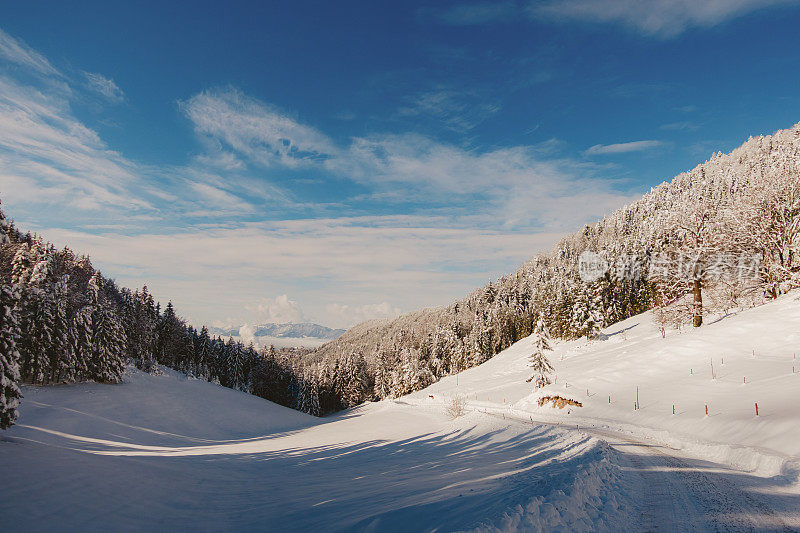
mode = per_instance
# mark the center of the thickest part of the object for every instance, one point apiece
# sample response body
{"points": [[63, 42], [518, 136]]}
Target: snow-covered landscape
{"points": [[171, 452], [466, 265]]}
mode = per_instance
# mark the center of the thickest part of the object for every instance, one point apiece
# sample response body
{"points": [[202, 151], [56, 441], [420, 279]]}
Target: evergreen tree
{"points": [[587, 318], [37, 339], [538, 359], [107, 341], [10, 394], [204, 355], [64, 363]]}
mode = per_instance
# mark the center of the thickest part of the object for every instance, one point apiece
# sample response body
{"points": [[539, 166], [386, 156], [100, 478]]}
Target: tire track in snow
{"points": [[682, 494]]}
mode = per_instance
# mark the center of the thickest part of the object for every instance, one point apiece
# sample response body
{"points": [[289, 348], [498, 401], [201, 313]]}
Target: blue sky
{"points": [[336, 161]]}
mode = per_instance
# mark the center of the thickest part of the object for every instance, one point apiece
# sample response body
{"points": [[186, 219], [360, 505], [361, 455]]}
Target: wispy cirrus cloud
{"points": [[473, 13], [213, 231], [623, 148], [655, 18], [252, 128], [457, 110], [50, 157], [410, 167], [104, 86], [19, 53], [663, 19]]}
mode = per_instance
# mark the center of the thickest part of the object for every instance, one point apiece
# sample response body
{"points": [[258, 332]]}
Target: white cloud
{"points": [[278, 310], [51, 158], [104, 86], [658, 18], [622, 148], [680, 126], [215, 271], [343, 315], [18, 52], [55, 169], [516, 184], [256, 130], [459, 111], [179, 229]]}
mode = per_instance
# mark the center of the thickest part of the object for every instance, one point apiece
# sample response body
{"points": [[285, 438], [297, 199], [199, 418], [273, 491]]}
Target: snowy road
{"points": [[674, 492], [679, 494]]}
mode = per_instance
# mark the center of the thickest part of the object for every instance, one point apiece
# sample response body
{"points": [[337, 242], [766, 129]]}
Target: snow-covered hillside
{"points": [[755, 356], [168, 452]]}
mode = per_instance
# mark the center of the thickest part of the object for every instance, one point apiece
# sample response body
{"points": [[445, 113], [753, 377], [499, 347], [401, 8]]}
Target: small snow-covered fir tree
{"points": [[538, 359]]}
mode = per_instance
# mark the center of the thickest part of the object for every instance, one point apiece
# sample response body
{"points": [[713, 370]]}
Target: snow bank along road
{"points": [[171, 453]]}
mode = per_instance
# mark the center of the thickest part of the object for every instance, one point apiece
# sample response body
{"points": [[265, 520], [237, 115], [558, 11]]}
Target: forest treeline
{"points": [[62, 321]]}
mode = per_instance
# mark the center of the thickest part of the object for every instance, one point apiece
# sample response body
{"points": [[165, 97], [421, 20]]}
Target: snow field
{"points": [[675, 370], [167, 452], [171, 452]]}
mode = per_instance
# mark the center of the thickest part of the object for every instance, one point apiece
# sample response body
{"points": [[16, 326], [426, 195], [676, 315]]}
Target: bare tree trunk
{"points": [[697, 307]]}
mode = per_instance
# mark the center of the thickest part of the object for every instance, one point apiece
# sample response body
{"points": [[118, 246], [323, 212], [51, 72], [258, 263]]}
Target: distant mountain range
{"points": [[281, 331]]}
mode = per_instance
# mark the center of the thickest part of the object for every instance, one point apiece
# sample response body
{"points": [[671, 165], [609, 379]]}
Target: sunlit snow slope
{"points": [[168, 453], [171, 453], [755, 355]]}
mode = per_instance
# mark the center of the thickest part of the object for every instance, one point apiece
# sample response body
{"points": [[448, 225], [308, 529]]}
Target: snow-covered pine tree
{"points": [[143, 330], [170, 338], [81, 341], [108, 338], [587, 318], [63, 366], [37, 325], [204, 356], [9, 357], [308, 397], [538, 359], [21, 266]]}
